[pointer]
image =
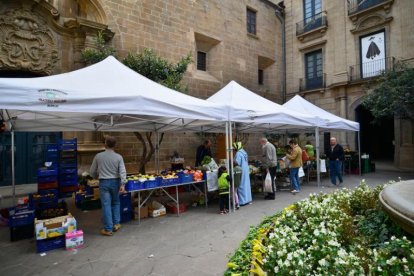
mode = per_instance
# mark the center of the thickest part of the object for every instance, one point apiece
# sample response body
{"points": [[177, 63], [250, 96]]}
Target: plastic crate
{"points": [[68, 154], [186, 178], [43, 201], [68, 189], [65, 194], [43, 172], [21, 217], [125, 217], [47, 185], [133, 185], [50, 244], [68, 171], [61, 210], [125, 203], [22, 232], [172, 208], [68, 165], [170, 181], [47, 179], [48, 191], [149, 184], [68, 182]]}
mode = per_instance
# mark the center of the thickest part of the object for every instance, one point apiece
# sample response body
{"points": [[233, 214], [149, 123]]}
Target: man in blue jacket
{"points": [[336, 157]]}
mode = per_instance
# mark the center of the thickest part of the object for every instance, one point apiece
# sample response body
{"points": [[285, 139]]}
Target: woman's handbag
{"points": [[267, 187]]}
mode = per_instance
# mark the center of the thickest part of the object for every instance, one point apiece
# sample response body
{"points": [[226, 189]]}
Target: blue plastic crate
{"points": [[65, 194], [68, 165], [125, 217], [47, 179], [44, 201], [48, 191], [52, 148], [68, 141], [21, 217], [46, 172], [67, 182], [50, 244], [186, 178], [149, 184], [68, 171], [125, 202], [68, 177], [133, 185], [170, 181]]}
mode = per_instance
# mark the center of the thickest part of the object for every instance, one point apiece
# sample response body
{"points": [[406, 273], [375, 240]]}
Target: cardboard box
{"points": [[96, 194], [143, 213], [50, 228], [172, 207], [74, 240], [156, 209]]}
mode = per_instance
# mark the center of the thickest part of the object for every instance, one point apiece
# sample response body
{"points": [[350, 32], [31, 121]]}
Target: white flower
{"points": [[264, 260], [379, 268], [286, 263], [316, 232], [322, 262], [289, 257], [404, 260], [393, 238], [276, 270]]}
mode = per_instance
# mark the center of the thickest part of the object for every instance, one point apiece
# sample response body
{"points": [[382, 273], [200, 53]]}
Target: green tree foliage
{"points": [[392, 93], [102, 51], [154, 68], [148, 64]]}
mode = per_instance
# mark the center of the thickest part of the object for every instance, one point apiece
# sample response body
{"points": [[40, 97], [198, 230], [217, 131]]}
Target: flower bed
{"points": [[343, 233]]}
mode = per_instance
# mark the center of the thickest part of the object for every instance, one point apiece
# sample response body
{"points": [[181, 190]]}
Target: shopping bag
{"points": [[267, 187], [323, 166], [301, 172]]}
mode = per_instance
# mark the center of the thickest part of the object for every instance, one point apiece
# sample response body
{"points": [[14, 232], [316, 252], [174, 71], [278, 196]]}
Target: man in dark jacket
{"points": [[336, 157], [202, 151]]}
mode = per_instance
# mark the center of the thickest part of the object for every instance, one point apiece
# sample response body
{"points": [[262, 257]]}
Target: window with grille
{"points": [[251, 21], [201, 61], [314, 69]]}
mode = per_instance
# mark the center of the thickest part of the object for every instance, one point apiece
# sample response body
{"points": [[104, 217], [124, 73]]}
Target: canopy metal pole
{"points": [[157, 153], [231, 166], [227, 152], [359, 154], [318, 166], [12, 161]]}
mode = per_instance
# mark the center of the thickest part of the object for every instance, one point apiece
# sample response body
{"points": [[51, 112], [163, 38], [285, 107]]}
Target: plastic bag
{"points": [[267, 187], [323, 166], [301, 172]]}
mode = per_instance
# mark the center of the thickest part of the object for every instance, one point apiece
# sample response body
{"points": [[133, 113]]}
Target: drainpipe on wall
{"points": [[280, 14]]}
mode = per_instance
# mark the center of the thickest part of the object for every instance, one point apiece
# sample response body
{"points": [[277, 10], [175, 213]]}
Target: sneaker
{"points": [[116, 227], [222, 213], [294, 192], [237, 207], [106, 233]]}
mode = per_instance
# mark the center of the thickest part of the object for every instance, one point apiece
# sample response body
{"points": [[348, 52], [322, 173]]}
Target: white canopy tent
{"points": [[331, 121], [254, 113], [106, 96]]}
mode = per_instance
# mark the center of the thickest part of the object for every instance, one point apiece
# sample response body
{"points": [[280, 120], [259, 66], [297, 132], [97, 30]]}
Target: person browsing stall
{"points": [[202, 151], [110, 168], [295, 158], [269, 163], [244, 190]]}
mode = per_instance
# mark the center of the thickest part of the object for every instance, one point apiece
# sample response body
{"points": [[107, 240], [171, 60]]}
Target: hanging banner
{"points": [[372, 55]]}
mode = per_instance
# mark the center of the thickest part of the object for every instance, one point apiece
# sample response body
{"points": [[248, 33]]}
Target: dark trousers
{"points": [[224, 201]]}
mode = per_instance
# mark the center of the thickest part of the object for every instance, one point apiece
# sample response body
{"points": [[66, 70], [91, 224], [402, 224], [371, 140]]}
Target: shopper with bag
{"points": [[295, 158], [269, 165], [244, 191]]}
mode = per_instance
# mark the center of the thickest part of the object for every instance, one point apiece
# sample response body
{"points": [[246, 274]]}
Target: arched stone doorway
{"points": [[377, 138]]}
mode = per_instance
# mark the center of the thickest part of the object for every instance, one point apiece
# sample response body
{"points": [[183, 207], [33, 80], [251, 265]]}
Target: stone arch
{"points": [[370, 21], [92, 10]]}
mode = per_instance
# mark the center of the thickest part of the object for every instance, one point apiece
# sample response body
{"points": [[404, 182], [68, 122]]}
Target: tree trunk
{"points": [[146, 153]]}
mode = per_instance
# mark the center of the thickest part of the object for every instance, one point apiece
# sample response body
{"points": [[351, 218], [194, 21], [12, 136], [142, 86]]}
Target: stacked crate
{"points": [[68, 172], [126, 211], [21, 223]]}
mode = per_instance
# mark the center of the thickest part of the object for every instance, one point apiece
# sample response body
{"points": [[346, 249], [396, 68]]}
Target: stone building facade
{"points": [[214, 32], [328, 62]]}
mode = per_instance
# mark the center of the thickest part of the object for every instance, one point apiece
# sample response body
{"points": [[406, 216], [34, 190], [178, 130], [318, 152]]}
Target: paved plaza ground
{"points": [[196, 243]]}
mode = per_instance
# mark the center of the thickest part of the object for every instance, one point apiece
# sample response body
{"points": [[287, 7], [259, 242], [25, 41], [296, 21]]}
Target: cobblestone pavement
{"points": [[196, 243]]}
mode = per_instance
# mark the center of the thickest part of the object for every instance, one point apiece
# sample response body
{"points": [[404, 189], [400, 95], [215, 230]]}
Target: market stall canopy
{"points": [[106, 96], [331, 121], [257, 113]]}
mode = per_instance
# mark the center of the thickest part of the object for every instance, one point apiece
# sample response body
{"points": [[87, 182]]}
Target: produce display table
{"points": [[163, 188]]}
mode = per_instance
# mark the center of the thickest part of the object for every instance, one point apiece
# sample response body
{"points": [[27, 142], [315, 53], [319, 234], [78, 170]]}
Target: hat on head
{"points": [[237, 145]]}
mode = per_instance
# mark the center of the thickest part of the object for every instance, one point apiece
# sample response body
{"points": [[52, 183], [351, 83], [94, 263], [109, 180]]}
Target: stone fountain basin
{"points": [[398, 201]]}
